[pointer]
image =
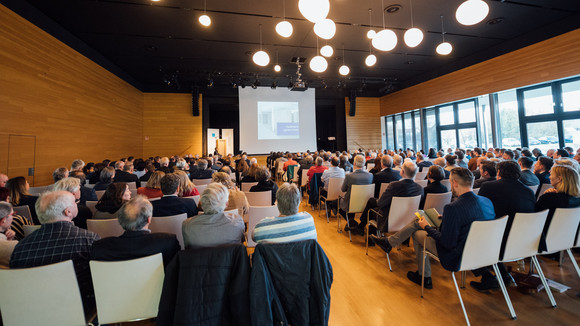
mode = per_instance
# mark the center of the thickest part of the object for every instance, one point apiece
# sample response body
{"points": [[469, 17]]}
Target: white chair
{"points": [[334, 193], [201, 188], [561, 233], [437, 201], [90, 185], [259, 198], [422, 183], [169, 224], [420, 175], [105, 228], [534, 188], [247, 185], [304, 182], [383, 188], [359, 196], [370, 166], [481, 249], [127, 290], [255, 215], [201, 182], [194, 198], [100, 193], [446, 183], [543, 189], [133, 192], [280, 171], [29, 299], [132, 185], [28, 229], [38, 190], [91, 205], [476, 191], [23, 211]]}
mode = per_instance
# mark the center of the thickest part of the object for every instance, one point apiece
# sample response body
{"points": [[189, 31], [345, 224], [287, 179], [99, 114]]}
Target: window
{"points": [[399, 131], [543, 135], [408, 131], [571, 96], [418, 142], [431, 129], [390, 135], [466, 112], [538, 101], [446, 115], [485, 122], [572, 133], [509, 119], [448, 139], [467, 138]]}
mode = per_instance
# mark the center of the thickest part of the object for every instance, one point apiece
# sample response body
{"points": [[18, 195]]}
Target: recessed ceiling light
{"points": [[392, 9]]}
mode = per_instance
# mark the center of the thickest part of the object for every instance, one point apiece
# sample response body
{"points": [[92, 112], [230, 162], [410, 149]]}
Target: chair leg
{"points": [[348, 225], [423, 273], [463, 277], [543, 278], [367, 237], [326, 211], [389, 261], [504, 291], [460, 299], [561, 259], [573, 261]]}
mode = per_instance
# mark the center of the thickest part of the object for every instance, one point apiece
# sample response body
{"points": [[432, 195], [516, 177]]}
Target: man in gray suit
{"points": [[358, 177]]}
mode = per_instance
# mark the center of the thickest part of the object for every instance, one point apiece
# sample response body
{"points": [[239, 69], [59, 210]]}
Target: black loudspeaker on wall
{"points": [[195, 101], [352, 110]]}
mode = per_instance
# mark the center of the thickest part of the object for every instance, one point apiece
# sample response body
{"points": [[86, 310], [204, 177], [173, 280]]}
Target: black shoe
{"points": [[415, 277], [486, 285], [382, 242], [351, 226]]}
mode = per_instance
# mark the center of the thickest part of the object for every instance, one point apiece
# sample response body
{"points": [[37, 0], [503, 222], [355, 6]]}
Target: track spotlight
{"points": [[274, 85]]}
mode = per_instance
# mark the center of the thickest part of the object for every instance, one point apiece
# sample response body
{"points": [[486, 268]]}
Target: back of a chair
{"points": [[105, 228], [154, 198], [483, 244], [259, 198], [292, 173], [91, 205], [201, 188], [200, 182], [304, 178], [28, 229], [524, 237], [247, 185], [90, 185], [38, 190], [133, 193], [383, 188], [127, 290], [534, 188], [476, 191], [28, 299], [422, 183], [543, 189], [359, 195], [334, 186], [402, 212], [100, 193], [370, 166], [420, 175], [446, 183], [169, 224], [194, 198], [24, 211], [132, 185], [257, 214], [437, 201], [562, 230]]}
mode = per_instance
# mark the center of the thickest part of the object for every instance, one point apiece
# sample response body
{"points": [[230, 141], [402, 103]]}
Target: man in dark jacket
{"points": [[386, 175], [201, 171], [124, 173], [528, 177], [170, 204]]}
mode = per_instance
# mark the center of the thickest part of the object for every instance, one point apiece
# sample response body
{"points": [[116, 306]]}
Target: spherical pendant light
{"points": [[385, 40], [318, 64], [325, 29], [344, 70], [277, 68], [205, 20], [371, 60], [314, 10], [261, 58], [471, 12], [327, 51], [371, 34], [444, 48], [413, 37], [284, 28]]}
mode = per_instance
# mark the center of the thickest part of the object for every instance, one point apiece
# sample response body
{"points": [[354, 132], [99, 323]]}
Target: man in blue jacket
{"points": [[447, 242]]}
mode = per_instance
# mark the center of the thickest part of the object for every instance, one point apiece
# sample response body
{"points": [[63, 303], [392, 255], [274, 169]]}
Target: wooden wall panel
{"points": [[555, 58], [364, 129], [169, 126], [74, 107]]}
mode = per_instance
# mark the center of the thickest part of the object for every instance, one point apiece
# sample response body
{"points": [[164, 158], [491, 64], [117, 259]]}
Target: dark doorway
{"points": [[226, 116]]}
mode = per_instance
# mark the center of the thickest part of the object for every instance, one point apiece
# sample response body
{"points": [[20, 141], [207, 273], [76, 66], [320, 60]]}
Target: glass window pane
{"points": [[418, 143], [408, 131], [543, 135], [390, 137], [571, 96], [446, 115], [431, 129], [399, 131], [538, 101], [448, 139], [466, 112], [485, 122], [572, 133], [467, 138], [508, 118]]}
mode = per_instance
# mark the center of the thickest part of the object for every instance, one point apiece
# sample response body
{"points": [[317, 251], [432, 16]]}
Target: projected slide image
{"points": [[278, 120]]}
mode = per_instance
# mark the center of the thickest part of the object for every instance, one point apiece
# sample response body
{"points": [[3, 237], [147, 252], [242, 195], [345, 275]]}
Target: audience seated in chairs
{"points": [[113, 198], [94, 174], [542, 169], [18, 221], [236, 199], [87, 194], [137, 241], [149, 169], [73, 185], [291, 161], [528, 177], [59, 174], [201, 171], [422, 163], [125, 174], [487, 172], [106, 178], [7, 235], [386, 175], [153, 187], [358, 177], [317, 168], [170, 204], [186, 187], [265, 183], [19, 196], [251, 173], [164, 165], [214, 227], [345, 163], [434, 175]]}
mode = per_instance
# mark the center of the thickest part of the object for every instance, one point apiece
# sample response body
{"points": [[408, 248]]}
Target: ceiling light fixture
{"points": [[325, 29], [413, 36], [472, 12], [314, 10], [261, 58], [284, 28], [318, 63], [371, 33], [277, 67], [327, 51], [344, 69], [204, 19], [444, 48], [385, 40], [370, 60]]}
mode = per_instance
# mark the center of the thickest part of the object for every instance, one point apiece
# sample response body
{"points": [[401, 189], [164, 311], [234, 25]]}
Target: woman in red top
{"points": [[186, 187], [317, 168], [153, 187]]}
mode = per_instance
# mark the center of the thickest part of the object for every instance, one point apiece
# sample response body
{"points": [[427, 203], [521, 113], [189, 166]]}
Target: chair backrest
{"points": [[420, 175], [133, 193], [247, 185], [200, 188], [154, 198], [28, 229], [90, 185], [54, 302], [483, 244], [544, 187], [476, 191], [437, 201], [100, 193], [259, 198], [132, 185], [383, 188], [257, 214], [370, 166], [422, 183], [534, 188], [562, 229], [105, 228], [38, 190], [199, 182], [24, 211], [304, 178], [334, 186], [127, 290], [359, 195], [524, 237], [194, 198], [446, 183], [169, 224], [402, 212], [91, 205]]}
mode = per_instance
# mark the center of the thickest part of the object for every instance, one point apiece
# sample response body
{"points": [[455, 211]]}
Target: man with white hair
{"points": [[358, 177], [397, 162], [77, 165], [125, 173], [58, 240], [214, 227], [73, 185], [7, 242]]}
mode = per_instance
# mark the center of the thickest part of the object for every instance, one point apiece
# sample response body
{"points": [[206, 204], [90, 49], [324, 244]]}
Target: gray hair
{"points": [[181, 164], [59, 173], [119, 165], [253, 161], [69, 184], [439, 161], [5, 209], [397, 159], [387, 161], [214, 198], [135, 213], [410, 169], [164, 161], [77, 165], [288, 199], [202, 164], [50, 205], [128, 167], [319, 161], [359, 161]]}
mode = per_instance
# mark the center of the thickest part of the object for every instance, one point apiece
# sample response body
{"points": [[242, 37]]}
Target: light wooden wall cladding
{"points": [[364, 129], [169, 125], [74, 107], [555, 58]]}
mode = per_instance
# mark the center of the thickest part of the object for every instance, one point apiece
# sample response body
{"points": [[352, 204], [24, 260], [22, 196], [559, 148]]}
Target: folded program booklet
{"points": [[431, 215]]}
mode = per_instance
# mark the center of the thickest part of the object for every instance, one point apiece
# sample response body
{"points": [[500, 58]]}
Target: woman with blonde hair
{"points": [[153, 187], [186, 187], [236, 199]]}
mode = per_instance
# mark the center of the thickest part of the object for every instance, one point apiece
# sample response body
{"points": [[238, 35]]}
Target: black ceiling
{"points": [[152, 43]]}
